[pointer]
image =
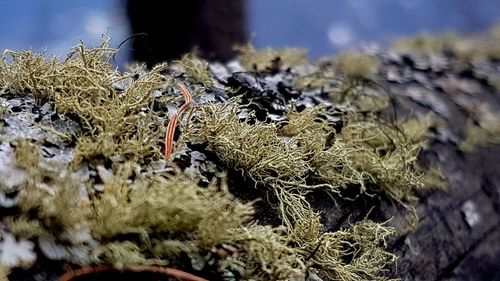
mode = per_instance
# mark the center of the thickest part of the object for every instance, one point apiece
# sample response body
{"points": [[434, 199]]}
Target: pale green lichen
{"points": [[4, 272], [156, 219], [84, 85], [22, 226], [434, 178], [466, 48], [317, 79], [356, 65], [270, 59], [195, 69], [427, 43], [240, 144], [371, 154], [348, 254], [169, 216], [485, 134]]}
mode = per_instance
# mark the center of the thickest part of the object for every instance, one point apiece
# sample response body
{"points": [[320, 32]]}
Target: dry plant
{"points": [[467, 49], [157, 219], [85, 85], [164, 217], [485, 134], [195, 69], [270, 59]]}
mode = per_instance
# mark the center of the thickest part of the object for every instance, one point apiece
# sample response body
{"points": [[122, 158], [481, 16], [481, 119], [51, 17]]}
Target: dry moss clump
{"points": [[484, 134], [158, 220], [270, 59], [165, 217], [365, 152], [195, 69], [369, 154], [355, 65], [161, 218], [348, 254], [86, 84], [472, 48], [240, 145]]}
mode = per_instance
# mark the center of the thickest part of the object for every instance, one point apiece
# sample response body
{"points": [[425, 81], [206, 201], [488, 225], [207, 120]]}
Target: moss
{"points": [[164, 217], [348, 254], [4, 272], [466, 48], [169, 216], [239, 144], [84, 85], [376, 156], [270, 59], [196, 70], [356, 65], [485, 134]]}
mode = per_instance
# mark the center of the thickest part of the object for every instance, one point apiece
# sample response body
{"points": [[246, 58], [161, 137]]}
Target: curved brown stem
{"points": [[169, 135], [179, 274]]}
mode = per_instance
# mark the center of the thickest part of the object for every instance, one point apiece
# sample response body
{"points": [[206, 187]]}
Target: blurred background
{"points": [[166, 29]]}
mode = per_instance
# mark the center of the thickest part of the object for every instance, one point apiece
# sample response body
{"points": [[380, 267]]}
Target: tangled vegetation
{"points": [[467, 49], [141, 217], [487, 133], [87, 85], [169, 216], [270, 60]]}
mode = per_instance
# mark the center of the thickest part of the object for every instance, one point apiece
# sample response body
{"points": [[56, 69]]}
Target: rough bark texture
{"points": [[458, 235]]}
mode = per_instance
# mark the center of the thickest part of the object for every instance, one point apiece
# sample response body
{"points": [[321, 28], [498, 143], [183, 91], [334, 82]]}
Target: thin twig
{"points": [[172, 124], [179, 274]]}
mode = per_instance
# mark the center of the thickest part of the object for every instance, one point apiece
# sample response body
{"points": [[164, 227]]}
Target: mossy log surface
{"points": [[282, 169]]}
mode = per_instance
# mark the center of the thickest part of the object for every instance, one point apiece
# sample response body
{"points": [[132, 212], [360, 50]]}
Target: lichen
{"points": [[195, 69], [165, 217], [434, 178], [270, 59], [348, 254], [84, 84], [465, 48], [375, 156], [4, 273], [486, 133], [356, 65]]}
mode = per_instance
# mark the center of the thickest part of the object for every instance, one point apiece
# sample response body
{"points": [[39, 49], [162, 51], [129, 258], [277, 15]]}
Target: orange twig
{"points": [[172, 124], [179, 274]]}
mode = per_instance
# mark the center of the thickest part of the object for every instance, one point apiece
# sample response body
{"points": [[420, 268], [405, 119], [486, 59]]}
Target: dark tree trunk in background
{"points": [[168, 29]]}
